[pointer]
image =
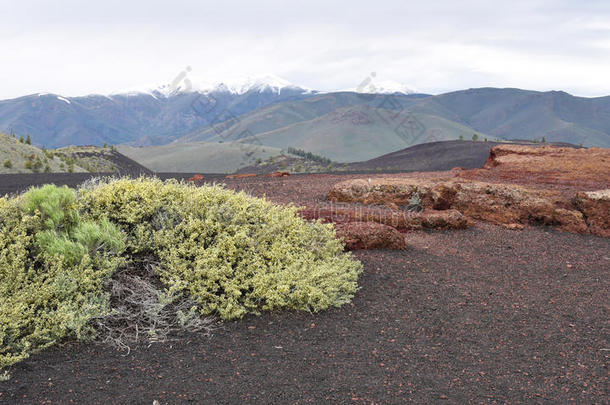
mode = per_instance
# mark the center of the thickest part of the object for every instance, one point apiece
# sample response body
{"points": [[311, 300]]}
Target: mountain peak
{"points": [[259, 84], [373, 86], [238, 85]]}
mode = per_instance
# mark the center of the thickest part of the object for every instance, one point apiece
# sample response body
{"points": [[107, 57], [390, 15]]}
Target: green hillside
{"points": [[514, 113], [201, 157], [20, 157], [361, 132]]}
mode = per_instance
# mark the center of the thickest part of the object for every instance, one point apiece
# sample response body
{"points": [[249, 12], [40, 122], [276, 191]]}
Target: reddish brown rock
{"points": [[570, 221], [401, 220], [570, 168], [501, 204], [197, 179], [595, 207], [370, 235], [513, 227], [277, 174]]}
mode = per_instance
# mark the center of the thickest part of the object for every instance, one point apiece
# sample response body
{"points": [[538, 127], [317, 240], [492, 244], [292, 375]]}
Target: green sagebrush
{"points": [[231, 253], [52, 267]]}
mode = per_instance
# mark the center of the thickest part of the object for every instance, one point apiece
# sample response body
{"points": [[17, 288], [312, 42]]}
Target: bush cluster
{"points": [[52, 266], [234, 254], [227, 253]]}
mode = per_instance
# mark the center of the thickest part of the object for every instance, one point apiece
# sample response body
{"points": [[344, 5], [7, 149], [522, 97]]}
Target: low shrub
{"points": [[52, 267], [155, 253], [232, 253]]}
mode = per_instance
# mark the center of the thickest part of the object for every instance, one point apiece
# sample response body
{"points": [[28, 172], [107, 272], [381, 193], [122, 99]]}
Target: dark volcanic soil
{"points": [[485, 315]]}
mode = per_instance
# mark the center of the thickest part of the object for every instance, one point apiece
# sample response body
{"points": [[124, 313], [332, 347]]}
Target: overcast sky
{"points": [[75, 47]]}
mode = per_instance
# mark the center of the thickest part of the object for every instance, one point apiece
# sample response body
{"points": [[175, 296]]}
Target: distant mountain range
{"points": [[345, 126]]}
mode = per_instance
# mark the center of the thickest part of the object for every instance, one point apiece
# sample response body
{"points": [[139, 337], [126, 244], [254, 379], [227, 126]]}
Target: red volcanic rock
{"points": [[570, 221], [595, 206], [501, 204], [241, 176], [401, 220], [578, 169], [446, 219], [370, 235], [277, 174], [197, 179], [513, 227]]}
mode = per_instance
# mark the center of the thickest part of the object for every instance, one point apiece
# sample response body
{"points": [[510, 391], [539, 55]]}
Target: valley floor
{"points": [[484, 315]]}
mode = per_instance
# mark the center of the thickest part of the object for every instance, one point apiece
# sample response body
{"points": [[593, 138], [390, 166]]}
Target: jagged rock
{"points": [[514, 227], [400, 219], [570, 221], [576, 168], [198, 179], [501, 204], [370, 235], [595, 206]]}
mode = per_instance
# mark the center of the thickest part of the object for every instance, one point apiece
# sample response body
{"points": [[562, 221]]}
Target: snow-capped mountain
{"points": [[372, 86], [259, 84], [151, 115], [236, 86]]}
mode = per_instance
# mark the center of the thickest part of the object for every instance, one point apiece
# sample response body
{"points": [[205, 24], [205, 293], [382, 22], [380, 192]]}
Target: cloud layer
{"points": [[73, 47]]}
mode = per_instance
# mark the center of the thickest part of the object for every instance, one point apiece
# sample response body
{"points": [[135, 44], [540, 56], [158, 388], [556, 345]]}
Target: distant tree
{"points": [[485, 139], [21, 140], [28, 140], [105, 145], [8, 164], [309, 155], [543, 139], [475, 137], [461, 137]]}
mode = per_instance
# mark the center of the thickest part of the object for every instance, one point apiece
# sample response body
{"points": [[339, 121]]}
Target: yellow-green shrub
{"points": [[52, 266], [233, 253], [227, 252]]}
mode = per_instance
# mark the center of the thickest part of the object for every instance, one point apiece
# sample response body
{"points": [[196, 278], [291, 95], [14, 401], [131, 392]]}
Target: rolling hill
{"points": [[361, 132], [199, 157], [19, 157], [283, 114], [437, 156], [521, 114]]}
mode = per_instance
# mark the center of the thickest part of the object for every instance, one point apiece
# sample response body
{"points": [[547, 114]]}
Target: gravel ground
{"points": [[485, 315]]}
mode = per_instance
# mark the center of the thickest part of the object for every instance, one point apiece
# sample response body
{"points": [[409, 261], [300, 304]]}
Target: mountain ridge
{"points": [[142, 119]]}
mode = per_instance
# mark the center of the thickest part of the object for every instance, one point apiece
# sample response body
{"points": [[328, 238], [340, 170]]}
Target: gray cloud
{"points": [[75, 47]]}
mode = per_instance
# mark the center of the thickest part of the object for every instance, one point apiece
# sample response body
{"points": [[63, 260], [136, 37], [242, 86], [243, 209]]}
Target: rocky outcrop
{"points": [[399, 219], [595, 207], [197, 179], [503, 204], [547, 166], [370, 235], [278, 174]]}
